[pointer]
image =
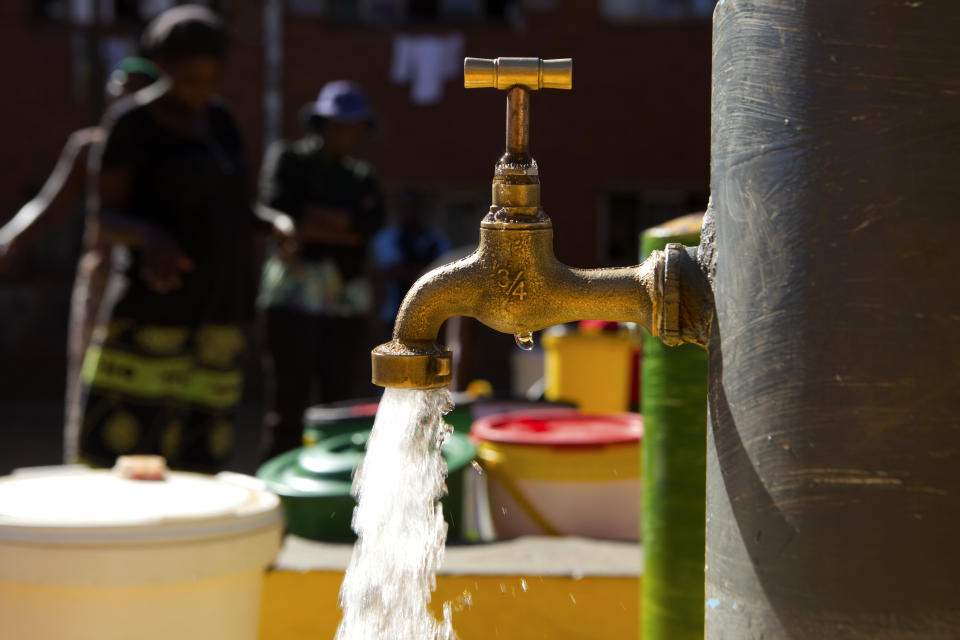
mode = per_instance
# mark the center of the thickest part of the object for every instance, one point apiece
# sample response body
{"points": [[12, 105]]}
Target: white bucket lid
{"points": [[73, 505]]}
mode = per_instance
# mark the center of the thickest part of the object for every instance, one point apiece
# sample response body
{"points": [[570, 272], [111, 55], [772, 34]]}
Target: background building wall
{"points": [[631, 136]]}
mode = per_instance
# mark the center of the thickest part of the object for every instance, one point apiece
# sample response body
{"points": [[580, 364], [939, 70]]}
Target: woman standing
{"points": [[62, 194], [163, 374], [316, 303]]}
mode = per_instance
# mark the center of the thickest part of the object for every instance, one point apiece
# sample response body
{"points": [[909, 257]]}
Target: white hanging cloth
{"points": [[426, 62]]}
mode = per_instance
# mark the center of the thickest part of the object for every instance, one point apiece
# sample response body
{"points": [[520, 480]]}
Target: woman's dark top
{"points": [[197, 189]]}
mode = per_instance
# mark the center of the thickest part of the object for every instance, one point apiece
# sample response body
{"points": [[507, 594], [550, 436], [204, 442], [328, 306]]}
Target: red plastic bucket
{"points": [[562, 472]]}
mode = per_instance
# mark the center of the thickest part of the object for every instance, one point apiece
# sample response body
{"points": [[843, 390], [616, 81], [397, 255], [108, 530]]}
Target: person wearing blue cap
{"points": [[315, 296], [63, 193]]}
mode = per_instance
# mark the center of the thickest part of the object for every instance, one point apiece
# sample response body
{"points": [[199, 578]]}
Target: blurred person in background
{"points": [[163, 374], [400, 254], [64, 194], [316, 297]]}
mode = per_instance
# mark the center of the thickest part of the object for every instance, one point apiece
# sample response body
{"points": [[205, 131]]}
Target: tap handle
{"points": [[517, 183], [506, 73]]}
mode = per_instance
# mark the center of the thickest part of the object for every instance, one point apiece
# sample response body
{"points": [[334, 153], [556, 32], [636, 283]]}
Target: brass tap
{"points": [[513, 282]]}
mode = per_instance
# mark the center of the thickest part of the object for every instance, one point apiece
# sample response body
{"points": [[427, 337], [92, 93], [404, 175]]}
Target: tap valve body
{"points": [[513, 282]]}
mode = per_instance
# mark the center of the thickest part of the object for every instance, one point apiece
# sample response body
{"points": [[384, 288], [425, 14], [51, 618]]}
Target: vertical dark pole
{"points": [[833, 487], [273, 71], [96, 78]]}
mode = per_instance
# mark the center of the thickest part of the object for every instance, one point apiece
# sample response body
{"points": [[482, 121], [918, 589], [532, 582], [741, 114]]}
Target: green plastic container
{"points": [[314, 484], [323, 421], [674, 407]]}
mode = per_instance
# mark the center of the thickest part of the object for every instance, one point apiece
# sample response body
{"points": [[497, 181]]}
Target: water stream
{"points": [[399, 521]]}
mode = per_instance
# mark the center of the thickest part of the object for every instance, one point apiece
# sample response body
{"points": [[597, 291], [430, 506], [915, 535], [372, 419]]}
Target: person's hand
{"points": [[328, 226], [286, 236], [163, 263], [328, 219]]}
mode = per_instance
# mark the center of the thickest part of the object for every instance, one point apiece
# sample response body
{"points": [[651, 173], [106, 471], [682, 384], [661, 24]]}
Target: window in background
{"points": [[540, 5], [629, 212], [457, 213], [405, 12], [51, 10], [656, 10], [83, 12], [454, 212], [307, 8]]}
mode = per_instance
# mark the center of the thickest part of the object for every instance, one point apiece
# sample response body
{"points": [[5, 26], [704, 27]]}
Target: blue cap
{"points": [[342, 101]]}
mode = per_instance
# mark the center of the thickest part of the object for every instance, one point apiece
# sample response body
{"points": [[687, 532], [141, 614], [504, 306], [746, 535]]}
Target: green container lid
{"points": [[314, 483]]}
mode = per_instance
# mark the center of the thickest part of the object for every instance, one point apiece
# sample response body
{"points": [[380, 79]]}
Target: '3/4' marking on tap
{"points": [[513, 286]]}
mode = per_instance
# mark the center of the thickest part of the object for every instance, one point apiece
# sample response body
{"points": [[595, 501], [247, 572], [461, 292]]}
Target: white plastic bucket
{"points": [[85, 555]]}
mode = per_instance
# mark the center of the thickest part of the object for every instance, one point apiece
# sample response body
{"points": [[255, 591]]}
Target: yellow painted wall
{"points": [[303, 606]]}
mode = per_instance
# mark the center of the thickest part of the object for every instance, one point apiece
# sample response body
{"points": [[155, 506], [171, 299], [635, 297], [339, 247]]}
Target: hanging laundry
{"points": [[426, 63]]}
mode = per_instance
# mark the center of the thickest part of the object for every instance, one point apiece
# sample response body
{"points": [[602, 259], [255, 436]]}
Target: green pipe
{"points": [[674, 406]]}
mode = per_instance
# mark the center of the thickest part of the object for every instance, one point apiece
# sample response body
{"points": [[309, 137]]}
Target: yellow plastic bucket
{"points": [[88, 556], [591, 369]]}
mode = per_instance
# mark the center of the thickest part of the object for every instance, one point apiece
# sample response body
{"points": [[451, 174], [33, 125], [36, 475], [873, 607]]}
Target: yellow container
{"points": [[592, 370]]}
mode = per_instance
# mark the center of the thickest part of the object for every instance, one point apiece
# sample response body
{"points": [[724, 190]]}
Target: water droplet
{"points": [[523, 584], [524, 340], [476, 467]]}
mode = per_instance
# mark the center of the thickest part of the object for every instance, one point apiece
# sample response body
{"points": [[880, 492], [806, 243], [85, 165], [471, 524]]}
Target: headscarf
{"points": [[183, 32]]}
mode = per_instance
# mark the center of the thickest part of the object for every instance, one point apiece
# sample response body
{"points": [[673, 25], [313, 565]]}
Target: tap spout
{"points": [[513, 283], [522, 296]]}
